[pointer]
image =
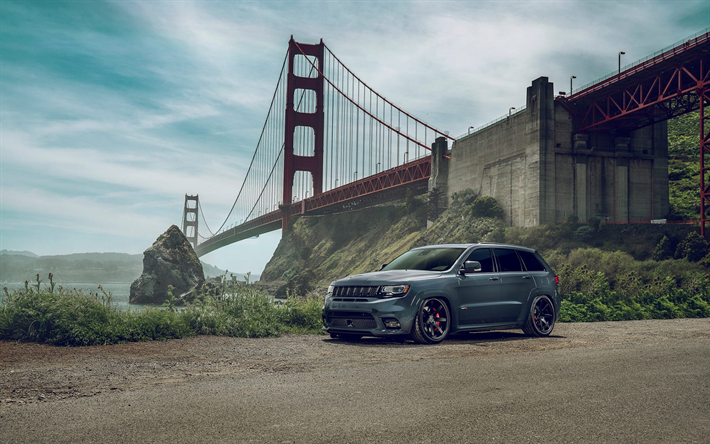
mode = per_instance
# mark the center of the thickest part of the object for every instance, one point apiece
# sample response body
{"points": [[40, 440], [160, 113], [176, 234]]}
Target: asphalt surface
{"points": [[627, 382]]}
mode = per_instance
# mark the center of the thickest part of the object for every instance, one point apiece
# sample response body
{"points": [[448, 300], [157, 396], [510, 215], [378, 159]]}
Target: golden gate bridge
{"points": [[330, 141]]}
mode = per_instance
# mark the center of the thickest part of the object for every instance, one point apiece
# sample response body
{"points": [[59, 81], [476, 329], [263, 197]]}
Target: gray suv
{"points": [[430, 292]]}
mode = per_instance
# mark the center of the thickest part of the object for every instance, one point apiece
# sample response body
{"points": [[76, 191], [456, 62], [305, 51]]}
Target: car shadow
{"points": [[481, 337]]}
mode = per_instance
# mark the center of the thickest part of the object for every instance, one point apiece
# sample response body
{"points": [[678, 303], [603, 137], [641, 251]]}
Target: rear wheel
{"points": [[541, 319], [432, 323]]}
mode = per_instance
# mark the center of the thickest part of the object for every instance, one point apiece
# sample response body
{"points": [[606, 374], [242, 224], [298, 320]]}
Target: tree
{"points": [[664, 249]]}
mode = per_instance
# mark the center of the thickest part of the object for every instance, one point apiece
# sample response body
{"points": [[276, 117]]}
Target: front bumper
{"points": [[369, 316]]}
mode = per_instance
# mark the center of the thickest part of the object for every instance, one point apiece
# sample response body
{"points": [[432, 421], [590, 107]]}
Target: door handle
{"points": [[527, 277], [493, 279]]}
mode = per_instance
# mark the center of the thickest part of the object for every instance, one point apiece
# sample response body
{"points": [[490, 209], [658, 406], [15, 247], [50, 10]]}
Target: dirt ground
{"points": [[34, 373]]}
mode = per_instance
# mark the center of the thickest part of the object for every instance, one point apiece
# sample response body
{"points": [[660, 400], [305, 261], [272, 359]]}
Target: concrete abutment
{"points": [[541, 172]]}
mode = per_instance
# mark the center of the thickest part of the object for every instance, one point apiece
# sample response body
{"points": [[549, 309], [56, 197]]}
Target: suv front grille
{"points": [[351, 320], [353, 292]]}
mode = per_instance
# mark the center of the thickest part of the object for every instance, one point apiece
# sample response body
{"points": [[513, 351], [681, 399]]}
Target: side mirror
{"points": [[470, 267], [383, 266]]}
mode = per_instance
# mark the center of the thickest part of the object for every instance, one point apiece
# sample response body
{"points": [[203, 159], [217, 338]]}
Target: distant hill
{"points": [[18, 253], [90, 268]]}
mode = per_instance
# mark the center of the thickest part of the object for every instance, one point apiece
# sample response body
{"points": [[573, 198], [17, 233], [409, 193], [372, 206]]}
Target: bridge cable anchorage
{"points": [[370, 114]]}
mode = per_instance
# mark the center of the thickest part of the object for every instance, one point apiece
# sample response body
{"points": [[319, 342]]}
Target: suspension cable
{"points": [[383, 98], [257, 147], [363, 109]]}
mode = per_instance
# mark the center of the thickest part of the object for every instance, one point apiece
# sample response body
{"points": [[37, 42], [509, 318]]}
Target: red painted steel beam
{"points": [[705, 162], [658, 89], [406, 174]]}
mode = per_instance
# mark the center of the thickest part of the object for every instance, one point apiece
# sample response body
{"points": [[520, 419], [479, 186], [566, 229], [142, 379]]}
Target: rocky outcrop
{"points": [[169, 261]]}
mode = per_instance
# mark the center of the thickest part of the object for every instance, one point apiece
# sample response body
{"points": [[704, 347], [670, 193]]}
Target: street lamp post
{"points": [[620, 54], [570, 84]]}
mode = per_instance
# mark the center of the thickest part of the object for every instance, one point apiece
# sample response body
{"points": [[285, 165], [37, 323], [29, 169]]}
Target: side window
{"points": [[508, 260], [482, 255], [530, 261]]}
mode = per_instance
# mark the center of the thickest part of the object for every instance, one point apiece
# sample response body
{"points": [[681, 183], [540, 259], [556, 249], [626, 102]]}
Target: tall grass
{"points": [[611, 286], [72, 317]]}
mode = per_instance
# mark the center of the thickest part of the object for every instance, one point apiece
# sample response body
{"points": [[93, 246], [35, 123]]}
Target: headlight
{"points": [[393, 290], [330, 291]]}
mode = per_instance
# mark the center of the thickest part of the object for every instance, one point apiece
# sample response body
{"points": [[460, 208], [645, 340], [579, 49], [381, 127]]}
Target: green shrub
{"points": [[486, 206], [585, 233], [694, 247]]}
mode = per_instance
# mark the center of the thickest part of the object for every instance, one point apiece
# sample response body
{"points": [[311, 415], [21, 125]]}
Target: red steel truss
{"points": [[657, 89], [704, 95], [407, 174]]}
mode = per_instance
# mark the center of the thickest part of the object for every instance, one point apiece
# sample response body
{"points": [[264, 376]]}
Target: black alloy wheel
{"points": [[432, 323], [541, 319]]}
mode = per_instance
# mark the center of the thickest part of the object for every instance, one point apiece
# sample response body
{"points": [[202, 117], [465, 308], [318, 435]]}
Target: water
{"points": [[119, 292]]}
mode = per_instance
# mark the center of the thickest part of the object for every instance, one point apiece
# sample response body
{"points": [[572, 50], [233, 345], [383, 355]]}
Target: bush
{"points": [[694, 247], [71, 317], [595, 223], [486, 206], [585, 233]]}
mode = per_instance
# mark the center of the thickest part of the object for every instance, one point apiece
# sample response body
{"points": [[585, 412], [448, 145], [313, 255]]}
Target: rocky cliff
{"points": [[316, 250], [170, 261]]}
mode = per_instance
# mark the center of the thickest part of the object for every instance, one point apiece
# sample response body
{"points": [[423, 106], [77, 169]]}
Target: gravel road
{"points": [[621, 382]]}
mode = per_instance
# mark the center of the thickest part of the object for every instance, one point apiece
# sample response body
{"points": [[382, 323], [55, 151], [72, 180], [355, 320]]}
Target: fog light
{"points": [[391, 323]]}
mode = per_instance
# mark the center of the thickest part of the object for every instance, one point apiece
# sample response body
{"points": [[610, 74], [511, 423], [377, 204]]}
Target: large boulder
{"points": [[169, 261]]}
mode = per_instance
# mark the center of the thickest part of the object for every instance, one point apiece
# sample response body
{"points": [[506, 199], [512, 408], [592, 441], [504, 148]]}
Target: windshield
{"points": [[430, 259]]}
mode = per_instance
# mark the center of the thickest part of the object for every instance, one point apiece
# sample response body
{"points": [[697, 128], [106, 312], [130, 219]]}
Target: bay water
{"points": [[119, 291]]}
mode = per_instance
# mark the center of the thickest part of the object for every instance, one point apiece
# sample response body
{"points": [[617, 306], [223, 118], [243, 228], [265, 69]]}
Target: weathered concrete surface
{"points": [[540, 172], [170, 261]]}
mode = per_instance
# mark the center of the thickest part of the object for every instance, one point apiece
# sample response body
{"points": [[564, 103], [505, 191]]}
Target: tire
{"points": [[433, 322], [541, 319]]}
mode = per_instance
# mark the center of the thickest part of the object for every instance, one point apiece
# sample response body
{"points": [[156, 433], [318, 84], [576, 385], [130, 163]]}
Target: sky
{"points": [[112, 111]]}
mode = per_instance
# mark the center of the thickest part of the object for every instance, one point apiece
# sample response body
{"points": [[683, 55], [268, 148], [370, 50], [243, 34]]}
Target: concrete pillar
{"points": [[580, 185], [580, 146], [622, 189], [580, 141], [439, 177], [621, 148]]}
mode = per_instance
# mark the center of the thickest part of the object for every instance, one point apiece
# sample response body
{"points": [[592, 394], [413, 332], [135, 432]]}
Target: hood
{"points": [[387, 277]]}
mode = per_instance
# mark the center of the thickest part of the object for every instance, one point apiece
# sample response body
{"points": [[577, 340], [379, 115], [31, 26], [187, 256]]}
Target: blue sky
{"points": [[110, 112]]}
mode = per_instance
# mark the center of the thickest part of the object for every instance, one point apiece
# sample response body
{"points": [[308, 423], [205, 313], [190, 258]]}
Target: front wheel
{"points": [[541, 319], [432, 323]]}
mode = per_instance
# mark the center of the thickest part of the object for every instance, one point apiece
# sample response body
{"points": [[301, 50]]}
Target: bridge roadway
{"points": [[412, 174]]}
